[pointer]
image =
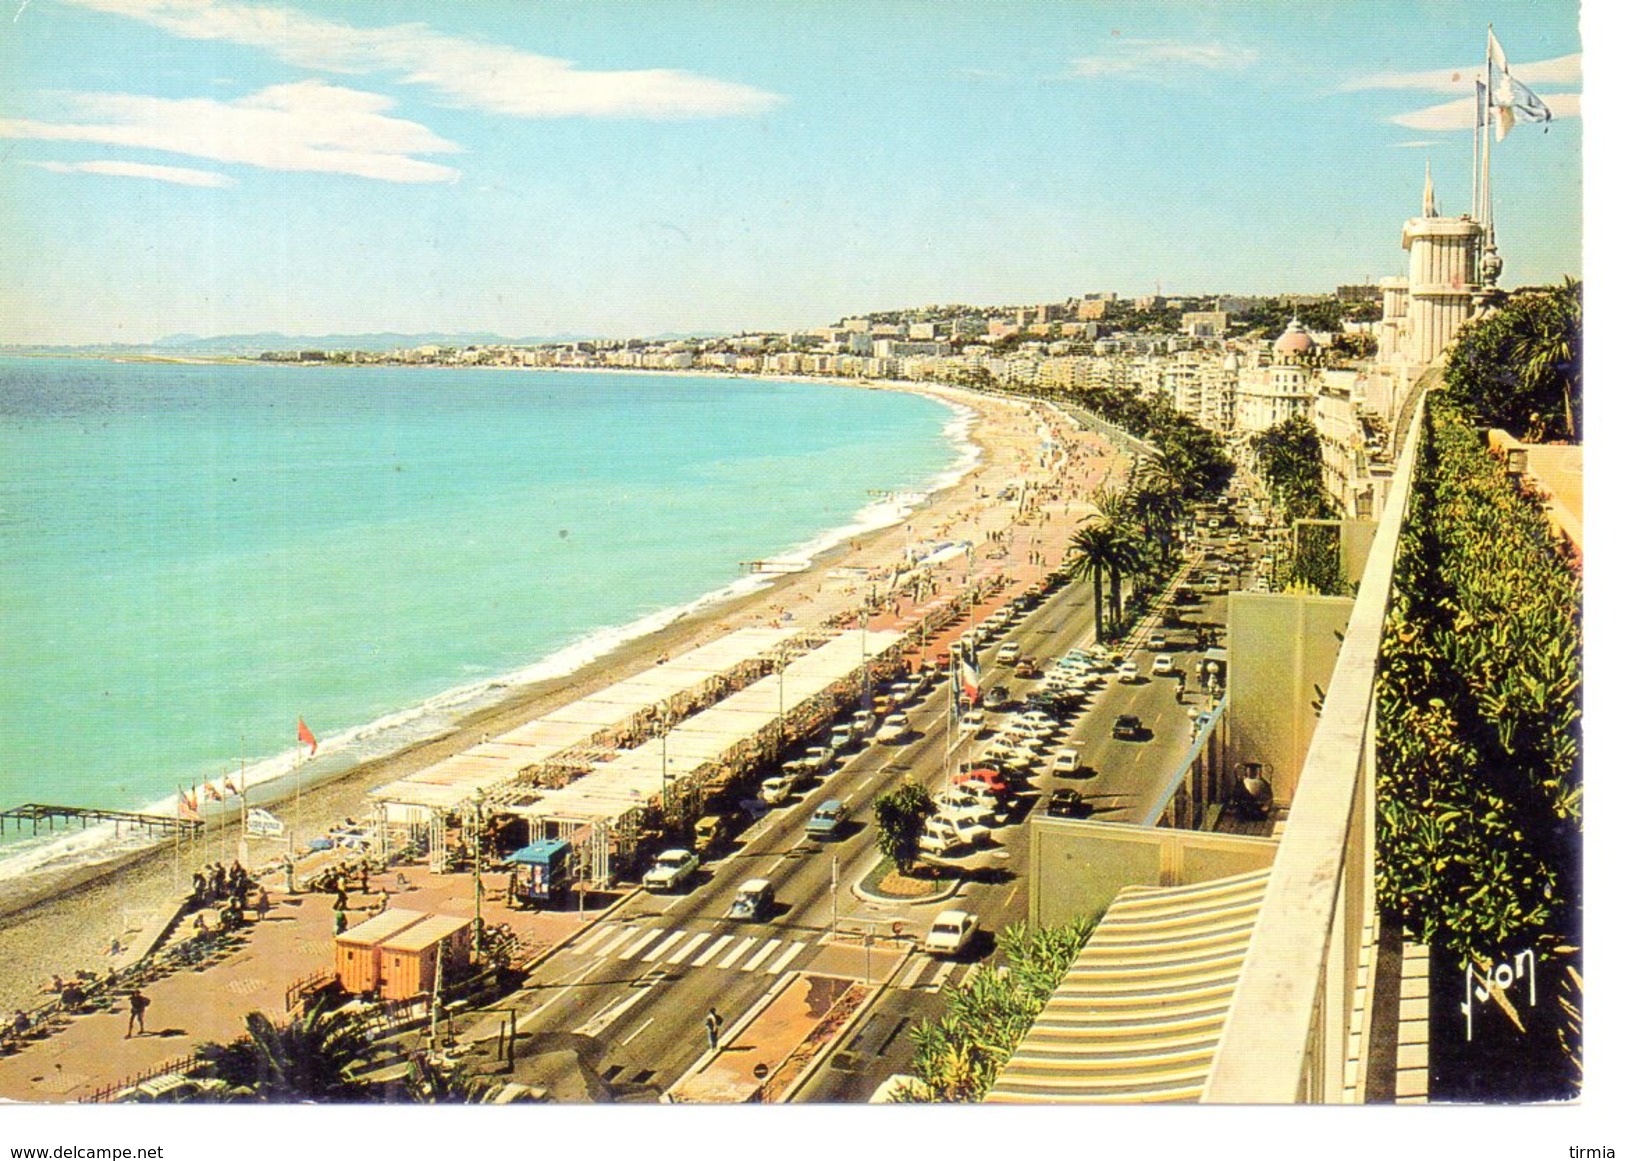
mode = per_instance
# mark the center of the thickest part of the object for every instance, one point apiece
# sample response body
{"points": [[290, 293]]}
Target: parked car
{"points": [[842, 738], [951, 933], [1128, 672], [1027, 667], [863, 723], [940, 835], [1067, 762], [974, 721], [672, 870], [776, 791], [972, 831], [1127, 727], [1162, 665], [1009, 653], [826, 821], [894, 729], [1066, 803], [753, 901], [819, 758]]}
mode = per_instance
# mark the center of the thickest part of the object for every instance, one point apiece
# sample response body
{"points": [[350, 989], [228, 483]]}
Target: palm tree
{"points": [[1095, 547], [1547, 345], [313, 1057]]}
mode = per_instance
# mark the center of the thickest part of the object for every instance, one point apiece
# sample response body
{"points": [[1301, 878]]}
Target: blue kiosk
{"points": [[542, 872]]}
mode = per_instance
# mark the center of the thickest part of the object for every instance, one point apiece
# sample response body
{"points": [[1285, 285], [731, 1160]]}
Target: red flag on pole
{"points": [[214, 795], [306, 736], [186, 805], [230, 789]]}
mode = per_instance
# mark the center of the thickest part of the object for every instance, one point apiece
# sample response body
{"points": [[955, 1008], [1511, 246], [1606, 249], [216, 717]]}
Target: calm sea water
{"points": [[191, 557]]}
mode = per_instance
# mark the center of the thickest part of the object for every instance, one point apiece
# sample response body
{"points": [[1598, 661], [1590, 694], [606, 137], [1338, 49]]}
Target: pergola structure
{"points": [[560, 745], [669, 775]]}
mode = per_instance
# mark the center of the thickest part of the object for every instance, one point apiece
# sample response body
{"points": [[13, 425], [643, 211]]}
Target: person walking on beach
{"points": [[138, 1014]]}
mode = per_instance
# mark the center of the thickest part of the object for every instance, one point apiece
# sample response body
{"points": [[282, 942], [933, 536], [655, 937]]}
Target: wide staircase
{"points": [[1138, 1017]]}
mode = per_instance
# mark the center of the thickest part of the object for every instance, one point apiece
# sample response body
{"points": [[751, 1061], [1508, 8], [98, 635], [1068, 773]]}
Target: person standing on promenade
{"points": [[713, 1028], [138, 1014]]}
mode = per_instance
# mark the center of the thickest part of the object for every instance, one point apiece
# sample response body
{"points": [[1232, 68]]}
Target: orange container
{"points": [[406, 961], [356, 951]]}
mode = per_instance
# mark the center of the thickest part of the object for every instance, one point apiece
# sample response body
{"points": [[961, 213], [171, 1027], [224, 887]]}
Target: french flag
{"points": [[970, 677]]}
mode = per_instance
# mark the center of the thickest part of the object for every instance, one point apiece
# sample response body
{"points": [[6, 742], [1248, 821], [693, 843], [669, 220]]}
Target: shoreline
{"points": [[67, 920], [30, 868]]}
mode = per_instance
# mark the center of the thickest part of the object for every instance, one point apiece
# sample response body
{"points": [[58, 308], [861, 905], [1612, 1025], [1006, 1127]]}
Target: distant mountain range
{"points": [[252, 344]]}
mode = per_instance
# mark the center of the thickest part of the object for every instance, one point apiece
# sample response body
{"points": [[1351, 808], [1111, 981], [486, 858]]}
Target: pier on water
{"points": [[34, 813]]}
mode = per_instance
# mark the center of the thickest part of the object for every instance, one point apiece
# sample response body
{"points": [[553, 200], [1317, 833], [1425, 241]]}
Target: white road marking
{"points": [[556, 997], [642, 942], [733, 956], [595, 938], [942, 976], [664, 946], [783, 961], [637, 1033], [626, 934], [915, 972], [688, 948], [709, 953], [755, 961], [609, 1015]]}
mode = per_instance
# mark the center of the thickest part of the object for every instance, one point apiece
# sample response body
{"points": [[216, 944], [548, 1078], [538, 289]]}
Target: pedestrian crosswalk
{"points": [[680, 947], [660, 947]]}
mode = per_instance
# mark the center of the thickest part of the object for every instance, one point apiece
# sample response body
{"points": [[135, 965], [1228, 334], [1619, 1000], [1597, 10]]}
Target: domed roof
{"points": [[1294, 340]]}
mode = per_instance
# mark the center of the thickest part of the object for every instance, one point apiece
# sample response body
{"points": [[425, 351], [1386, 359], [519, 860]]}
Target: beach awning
{"points": [[496, 762], [634, 778]]}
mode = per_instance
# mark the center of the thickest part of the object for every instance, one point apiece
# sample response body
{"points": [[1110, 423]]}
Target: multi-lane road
{"points": [[630, 994]]}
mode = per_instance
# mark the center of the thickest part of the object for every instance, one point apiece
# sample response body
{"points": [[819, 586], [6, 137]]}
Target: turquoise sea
{"points": [[194, 556]]}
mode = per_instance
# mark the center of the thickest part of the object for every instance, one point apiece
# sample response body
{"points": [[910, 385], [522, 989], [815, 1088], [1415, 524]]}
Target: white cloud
{"points": [[1412, 144], [465, 72], [175, 174], [308, 126], [1150, 57], [1459, 114], [1557, 70]]}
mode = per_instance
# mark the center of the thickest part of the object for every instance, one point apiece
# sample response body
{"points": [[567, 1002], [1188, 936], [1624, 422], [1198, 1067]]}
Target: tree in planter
{"points": [[1519, 368], [899, 818]]}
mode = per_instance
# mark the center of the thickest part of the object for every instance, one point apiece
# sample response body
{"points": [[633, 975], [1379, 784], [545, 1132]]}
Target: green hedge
{"points": [[1478, 813]]}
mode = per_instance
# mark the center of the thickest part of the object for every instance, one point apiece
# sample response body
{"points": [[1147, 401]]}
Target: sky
{"points": [[531, 169]]}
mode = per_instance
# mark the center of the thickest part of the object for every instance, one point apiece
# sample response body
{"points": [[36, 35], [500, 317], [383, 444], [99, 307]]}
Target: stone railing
{"points": [[1288, 1036]]}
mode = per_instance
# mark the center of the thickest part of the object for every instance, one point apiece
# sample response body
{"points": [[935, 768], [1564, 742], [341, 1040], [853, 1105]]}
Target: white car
{"points": [[842, 738], [776, 791], [1163, 665], [1009, 653], [972, 831], [1066, 761], [863, 723], [672, 869], [893, 730], [951, 932], [974, 721], [1128, 673], [1158, 640]]}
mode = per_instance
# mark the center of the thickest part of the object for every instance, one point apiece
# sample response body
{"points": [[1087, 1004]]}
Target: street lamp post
{"points": [[479, 879]]}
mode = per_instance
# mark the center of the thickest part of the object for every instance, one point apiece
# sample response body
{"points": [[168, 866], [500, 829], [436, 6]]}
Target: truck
{"points": [[710, 833], [825, 823]]}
